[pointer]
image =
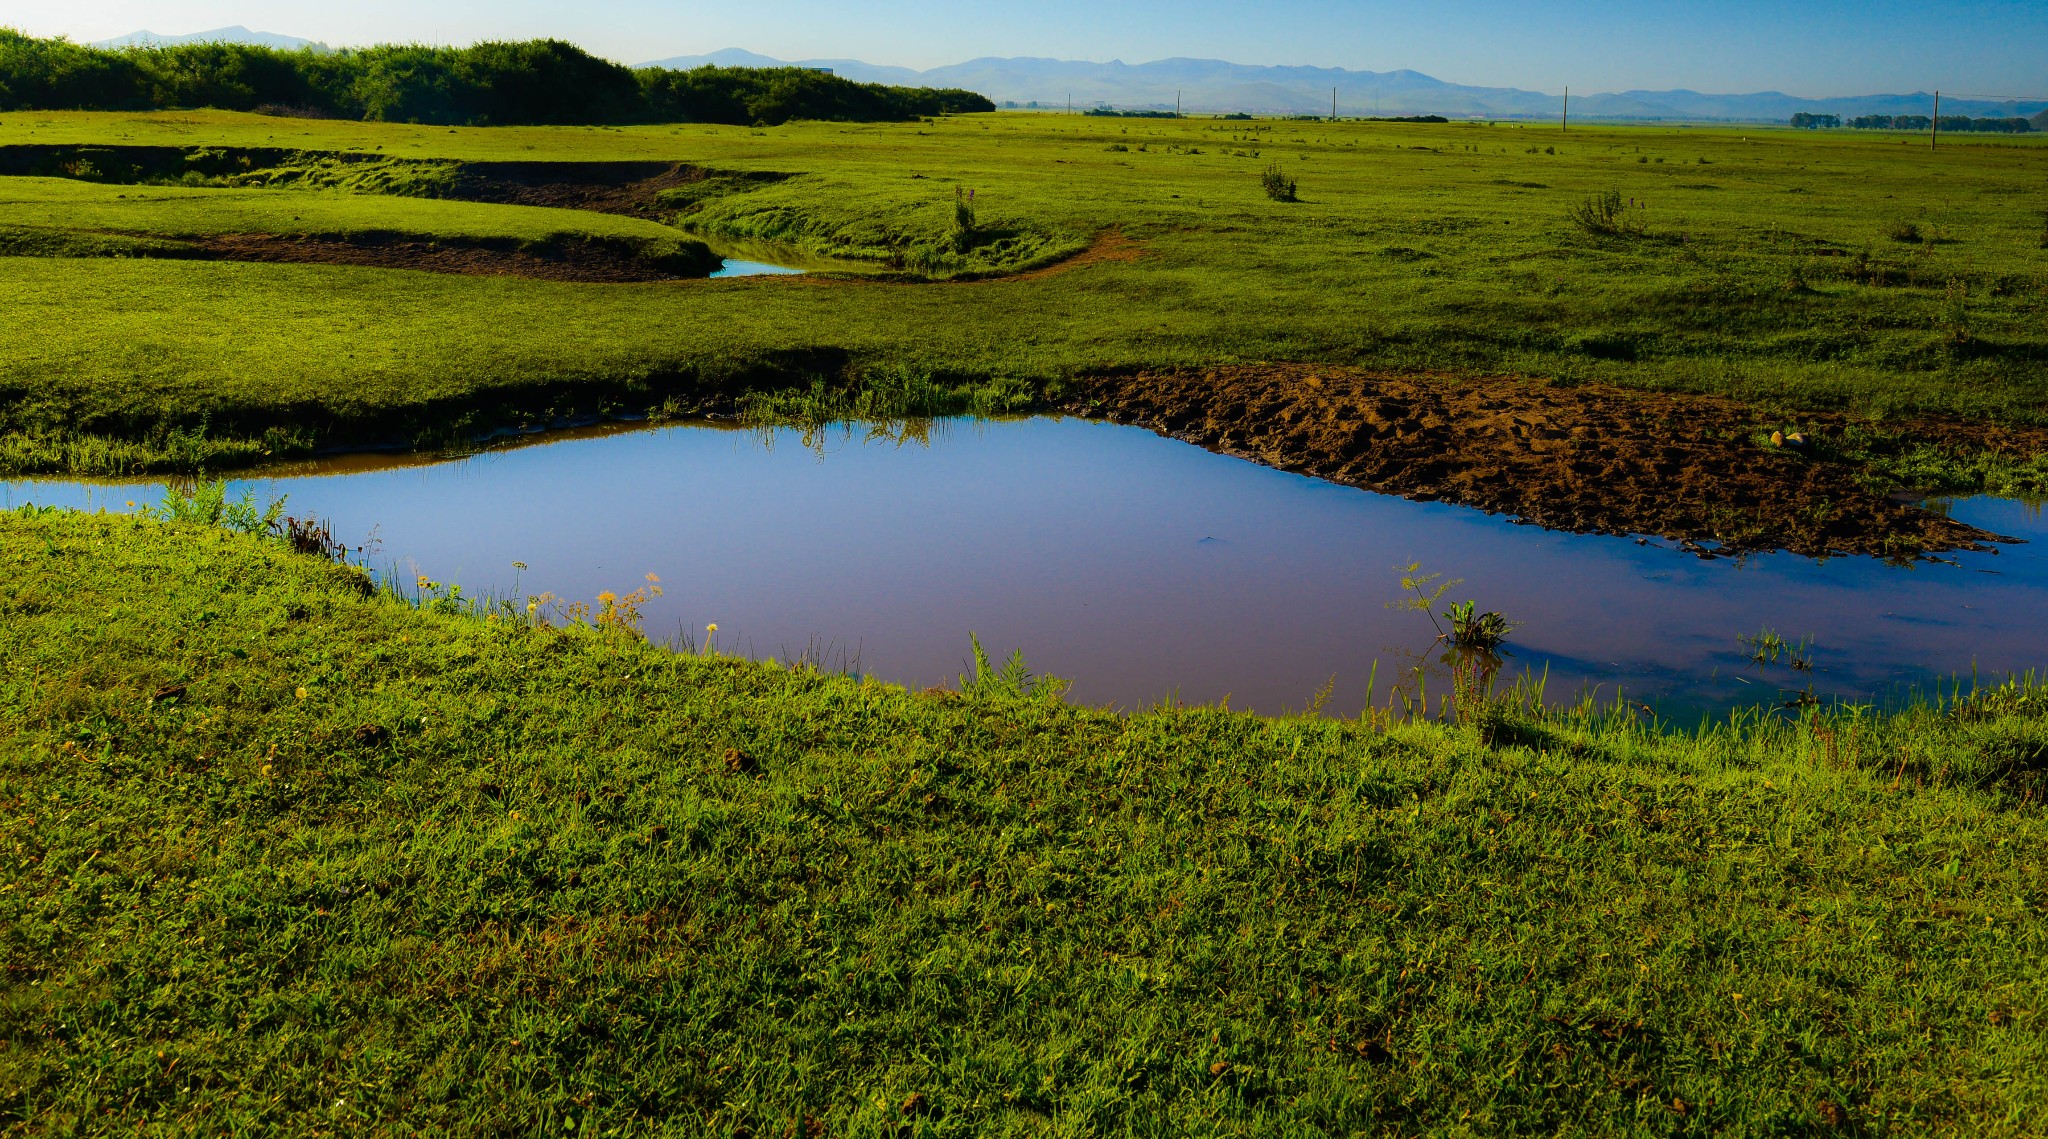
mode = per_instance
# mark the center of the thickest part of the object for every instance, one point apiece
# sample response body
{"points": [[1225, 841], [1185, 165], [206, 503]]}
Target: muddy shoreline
{"points": [[588, 261], [1694, 470]]}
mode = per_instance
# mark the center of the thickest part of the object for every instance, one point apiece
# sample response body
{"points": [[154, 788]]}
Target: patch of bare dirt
{"points": [[1109, 245], [1588, 459], [630, 188], [567, 261]]}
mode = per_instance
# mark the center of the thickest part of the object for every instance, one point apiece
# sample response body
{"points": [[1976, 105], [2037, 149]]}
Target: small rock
{"points": [[915, 1104], [1796, 439], [1777, 438], [1219, 1067]]}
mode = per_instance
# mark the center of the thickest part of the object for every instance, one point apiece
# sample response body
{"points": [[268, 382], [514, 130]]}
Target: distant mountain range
{"points": [[235, 35], [1214, 85]]}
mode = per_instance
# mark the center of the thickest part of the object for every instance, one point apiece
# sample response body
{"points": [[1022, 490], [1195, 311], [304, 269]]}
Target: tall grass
{"points": [[886, 395]]}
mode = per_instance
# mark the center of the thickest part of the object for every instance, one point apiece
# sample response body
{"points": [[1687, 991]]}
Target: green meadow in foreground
{"points": [[1804, 270], [282, 852]]}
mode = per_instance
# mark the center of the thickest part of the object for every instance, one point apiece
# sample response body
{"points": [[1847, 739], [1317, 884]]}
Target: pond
{"points": [[748, 258], [1140, 567]]}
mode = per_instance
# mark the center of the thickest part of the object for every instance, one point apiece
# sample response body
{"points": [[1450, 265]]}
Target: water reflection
{"points": [[1141, 567]]}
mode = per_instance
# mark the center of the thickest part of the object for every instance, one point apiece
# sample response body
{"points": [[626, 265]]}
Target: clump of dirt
{"points": [[583, 261], [1589, 459]]}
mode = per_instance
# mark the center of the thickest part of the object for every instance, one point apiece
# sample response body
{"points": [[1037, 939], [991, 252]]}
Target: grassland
{"points": [[64, 206], [283, 854], [1803, 271]]}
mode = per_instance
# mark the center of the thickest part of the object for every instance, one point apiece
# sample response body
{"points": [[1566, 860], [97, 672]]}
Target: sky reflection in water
{"points": [[1138, 566]]}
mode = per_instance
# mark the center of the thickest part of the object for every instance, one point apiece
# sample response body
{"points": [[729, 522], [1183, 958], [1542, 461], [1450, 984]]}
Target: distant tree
{"points": [[1805, 121], [536, 81], [58, 75]]}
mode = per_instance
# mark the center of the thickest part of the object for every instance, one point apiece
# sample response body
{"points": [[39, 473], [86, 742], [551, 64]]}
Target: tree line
{"points": [[486, 84], [1914, 123]]}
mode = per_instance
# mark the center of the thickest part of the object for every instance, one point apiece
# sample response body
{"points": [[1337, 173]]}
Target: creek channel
{"points": [[1140, 567]]}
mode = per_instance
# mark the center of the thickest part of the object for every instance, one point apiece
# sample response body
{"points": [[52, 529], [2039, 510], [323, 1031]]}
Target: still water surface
{"points": [[1138, 566]]}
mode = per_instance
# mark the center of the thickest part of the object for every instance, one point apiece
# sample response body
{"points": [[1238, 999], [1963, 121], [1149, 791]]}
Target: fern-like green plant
{"points": [[207, 504], [1012, 682]]}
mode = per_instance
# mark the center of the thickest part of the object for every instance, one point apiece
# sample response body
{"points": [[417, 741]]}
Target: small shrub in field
{"points": [[1904, 232], [1954, 320], [1610, 214], [1278, 185], [963, 220]]}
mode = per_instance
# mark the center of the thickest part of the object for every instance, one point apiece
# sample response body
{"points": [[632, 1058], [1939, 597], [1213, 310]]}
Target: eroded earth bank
{"points": [[1592, 459]]}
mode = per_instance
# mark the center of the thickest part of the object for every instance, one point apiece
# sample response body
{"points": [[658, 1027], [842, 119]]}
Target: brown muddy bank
{"points": [[1589, 459], [582, 261]]}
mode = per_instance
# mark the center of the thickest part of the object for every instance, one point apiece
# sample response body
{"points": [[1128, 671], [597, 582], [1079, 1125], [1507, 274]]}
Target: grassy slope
{"points": [[178, 211], [1442, 258], [279, 855]]}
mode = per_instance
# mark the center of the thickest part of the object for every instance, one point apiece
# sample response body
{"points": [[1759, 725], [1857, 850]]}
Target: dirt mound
{"points": [[563, 261], [1588, 459]]}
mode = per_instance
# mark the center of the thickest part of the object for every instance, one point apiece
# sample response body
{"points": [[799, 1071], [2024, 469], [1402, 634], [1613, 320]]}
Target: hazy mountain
{"points": [[235, 35], [1214, 85]]}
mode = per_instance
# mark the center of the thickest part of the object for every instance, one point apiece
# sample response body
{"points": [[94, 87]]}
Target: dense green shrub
{"points": [[536, 81]]}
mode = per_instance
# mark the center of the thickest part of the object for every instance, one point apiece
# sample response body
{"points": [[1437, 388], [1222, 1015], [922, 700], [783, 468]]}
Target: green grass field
{"points": [[283, 857], [1795, 269], [63, 205]]}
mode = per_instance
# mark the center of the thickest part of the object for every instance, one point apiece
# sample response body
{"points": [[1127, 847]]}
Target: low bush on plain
{"points": [[1611, 215], [1278, 185]]}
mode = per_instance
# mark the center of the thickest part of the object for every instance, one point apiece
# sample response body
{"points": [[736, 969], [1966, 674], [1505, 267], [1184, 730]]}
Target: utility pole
{"points": [[1333, 104], [1566, 124], [1176, 102], [1934, 138], [1070, 102]]}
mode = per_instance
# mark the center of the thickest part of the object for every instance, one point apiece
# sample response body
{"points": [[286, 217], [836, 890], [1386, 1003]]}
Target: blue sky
{"points": [[1815, 47]]}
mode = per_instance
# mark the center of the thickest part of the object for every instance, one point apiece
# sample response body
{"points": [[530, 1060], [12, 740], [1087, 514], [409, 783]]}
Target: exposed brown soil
{"points": [[1588, 459], [630, 188], [1109, 245], [568, 261]]}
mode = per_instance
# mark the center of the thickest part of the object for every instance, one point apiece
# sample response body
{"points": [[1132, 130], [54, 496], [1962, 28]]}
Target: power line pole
{"points": [[1934, 137], [1566, 123], [1176, 102]]}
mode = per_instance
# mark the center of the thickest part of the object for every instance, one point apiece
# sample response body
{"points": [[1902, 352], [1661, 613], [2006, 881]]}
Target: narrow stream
{"points": [[1140, 567]]}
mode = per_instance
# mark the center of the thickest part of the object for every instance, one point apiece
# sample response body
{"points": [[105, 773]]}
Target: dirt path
{"points": [[1587, 459]]}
